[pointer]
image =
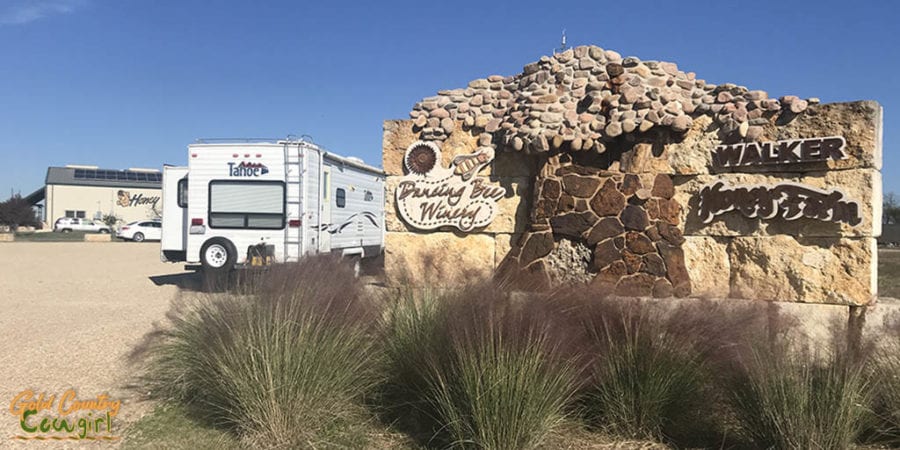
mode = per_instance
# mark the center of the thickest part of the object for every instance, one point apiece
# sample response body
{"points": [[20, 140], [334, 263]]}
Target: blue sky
{"points": [[130, 83]]}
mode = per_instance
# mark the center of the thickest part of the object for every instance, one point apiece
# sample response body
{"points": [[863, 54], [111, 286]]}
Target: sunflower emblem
{"points": [[421, 158]]}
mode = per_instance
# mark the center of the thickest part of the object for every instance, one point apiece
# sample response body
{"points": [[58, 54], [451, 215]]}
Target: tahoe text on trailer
{"points": [[254, 202]]}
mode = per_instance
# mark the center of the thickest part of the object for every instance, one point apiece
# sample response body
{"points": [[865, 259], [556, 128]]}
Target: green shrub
{"points": [[285, 361], [110, 220], [786, 400], [17, 212], [484, 370]]}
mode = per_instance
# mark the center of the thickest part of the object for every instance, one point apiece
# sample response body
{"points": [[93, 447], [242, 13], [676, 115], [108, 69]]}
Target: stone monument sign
{"points": [[639, 179]]}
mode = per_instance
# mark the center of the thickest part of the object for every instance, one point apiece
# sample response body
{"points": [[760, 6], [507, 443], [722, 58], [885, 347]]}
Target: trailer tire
{"points": [[218, 255]]}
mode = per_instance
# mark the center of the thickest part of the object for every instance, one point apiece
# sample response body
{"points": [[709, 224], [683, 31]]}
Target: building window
{"points": [[75, 214], [340, 198], [246, 204]]}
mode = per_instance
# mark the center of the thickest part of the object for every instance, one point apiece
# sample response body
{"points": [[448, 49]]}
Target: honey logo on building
{"points": [[431, 196], [64, 417], [126, 200]]}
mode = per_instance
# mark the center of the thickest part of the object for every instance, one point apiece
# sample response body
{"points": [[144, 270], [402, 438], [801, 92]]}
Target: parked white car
{"points": [[141, 230], [69, 224]]}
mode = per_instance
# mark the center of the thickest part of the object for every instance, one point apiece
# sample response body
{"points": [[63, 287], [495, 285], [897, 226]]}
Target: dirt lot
{"points": [[889, 273], [70, 313]]}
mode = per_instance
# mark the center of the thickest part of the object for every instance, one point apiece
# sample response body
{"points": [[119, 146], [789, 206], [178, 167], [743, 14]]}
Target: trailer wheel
{"points": [[217, 254], [217, 257]]}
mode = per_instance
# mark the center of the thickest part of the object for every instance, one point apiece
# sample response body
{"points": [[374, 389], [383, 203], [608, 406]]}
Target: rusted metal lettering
{"points": [[788, 201], [789, 152]]}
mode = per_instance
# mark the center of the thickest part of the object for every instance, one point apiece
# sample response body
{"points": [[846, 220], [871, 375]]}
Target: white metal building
{"points": [[91, 192]]}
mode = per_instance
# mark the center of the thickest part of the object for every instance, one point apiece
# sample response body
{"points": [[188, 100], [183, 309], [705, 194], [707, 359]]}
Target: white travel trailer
{"points": [[244, 202]]}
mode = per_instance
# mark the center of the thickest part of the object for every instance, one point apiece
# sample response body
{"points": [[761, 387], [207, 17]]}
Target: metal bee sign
{"points": [[431, 196]]}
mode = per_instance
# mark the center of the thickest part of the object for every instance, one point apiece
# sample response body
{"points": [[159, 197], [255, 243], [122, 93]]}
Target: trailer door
{"points": [[174, 214], [325, 212]]}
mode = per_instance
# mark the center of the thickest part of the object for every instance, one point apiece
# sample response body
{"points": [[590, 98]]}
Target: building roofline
{"points": [[78, 176]]}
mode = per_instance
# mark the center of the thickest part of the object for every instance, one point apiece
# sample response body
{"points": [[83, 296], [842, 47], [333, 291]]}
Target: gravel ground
{"points": [[70, 313]]}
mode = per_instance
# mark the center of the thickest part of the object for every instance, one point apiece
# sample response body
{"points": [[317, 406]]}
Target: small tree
{"points": [[17, 212], [891, 209], [155, 211], [110, 220]]}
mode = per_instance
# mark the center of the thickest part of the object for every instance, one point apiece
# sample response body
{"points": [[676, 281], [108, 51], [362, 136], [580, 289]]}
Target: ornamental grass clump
{"points": [[653, 370], [411, 323], [887, 399], [885, 370], [286, 360], [482, 368], [785, 399]]}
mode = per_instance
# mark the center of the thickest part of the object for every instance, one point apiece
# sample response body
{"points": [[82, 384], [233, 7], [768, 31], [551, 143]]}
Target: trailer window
{"points": [[340, 198], [246, 204], [182, 193]]}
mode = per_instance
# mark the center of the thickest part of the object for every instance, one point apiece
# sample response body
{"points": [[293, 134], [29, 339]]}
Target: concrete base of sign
{"points": [[880, 323], [814, 329], [99, 237]]}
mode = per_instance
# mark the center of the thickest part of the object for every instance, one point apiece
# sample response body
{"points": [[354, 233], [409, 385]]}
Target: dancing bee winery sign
{"points": [[431, 196]]}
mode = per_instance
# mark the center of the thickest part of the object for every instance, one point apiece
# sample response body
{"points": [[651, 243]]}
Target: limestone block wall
{"points": [[448, 257], [605, 161], [804, 260]]}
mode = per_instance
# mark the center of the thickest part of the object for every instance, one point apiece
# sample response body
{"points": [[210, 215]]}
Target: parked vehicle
{"points": [[69, 224], [241, 203], [142, 230]]}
